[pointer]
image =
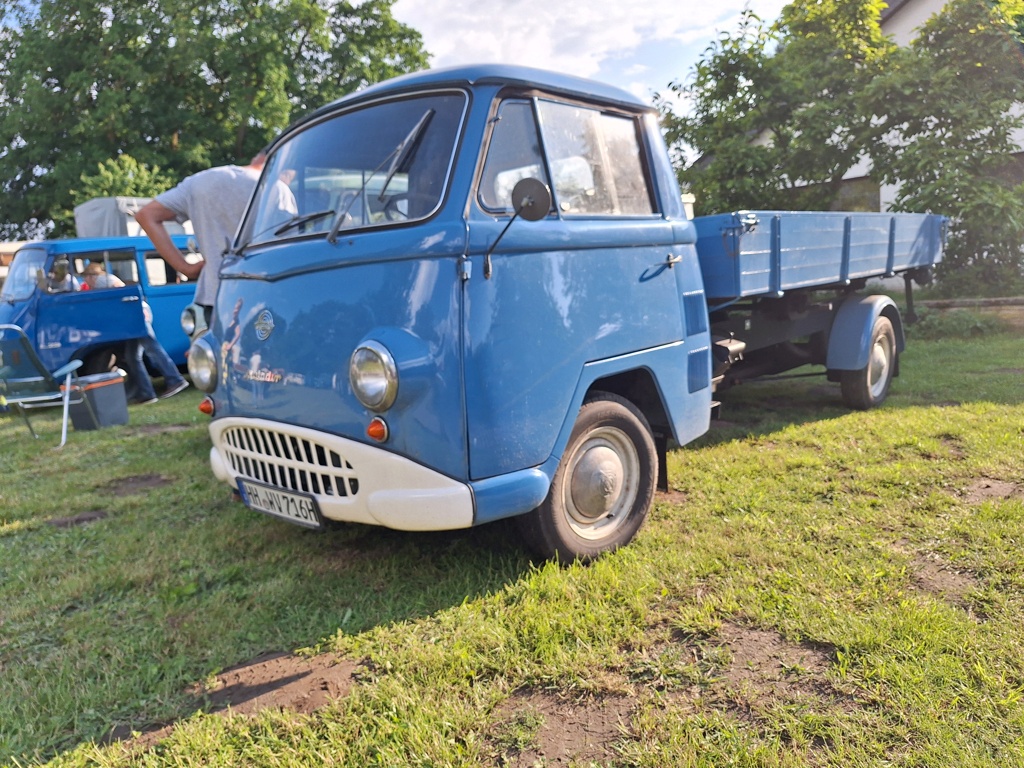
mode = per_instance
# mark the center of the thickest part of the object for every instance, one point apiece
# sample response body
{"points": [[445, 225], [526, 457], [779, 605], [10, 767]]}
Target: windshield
{"points": [[381, 165], [25, 273]]}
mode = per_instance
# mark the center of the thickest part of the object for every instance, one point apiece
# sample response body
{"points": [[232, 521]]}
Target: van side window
{"points": [[159, 272], [120, 263], [596, 159], [513, 154]]}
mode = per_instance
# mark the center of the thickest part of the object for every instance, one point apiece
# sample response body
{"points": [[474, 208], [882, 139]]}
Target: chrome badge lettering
{"points": [[264, 325], [263, 374]]}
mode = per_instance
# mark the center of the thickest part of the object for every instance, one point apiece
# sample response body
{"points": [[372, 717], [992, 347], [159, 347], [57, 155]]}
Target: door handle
{"points": [[671, 261]]}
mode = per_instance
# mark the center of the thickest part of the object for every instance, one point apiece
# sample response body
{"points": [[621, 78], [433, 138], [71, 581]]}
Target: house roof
{"points": [[894, 7]]}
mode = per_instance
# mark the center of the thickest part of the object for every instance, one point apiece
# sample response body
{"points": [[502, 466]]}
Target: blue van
{"points": [[66, 323]]}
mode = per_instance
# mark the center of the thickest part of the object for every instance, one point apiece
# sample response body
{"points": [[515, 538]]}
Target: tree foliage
{"points": [[774, 118], [781, 112], [949, 119], [178, 85]]}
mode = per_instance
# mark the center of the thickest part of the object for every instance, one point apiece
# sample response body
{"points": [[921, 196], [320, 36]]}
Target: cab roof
{"points": [[499, 75]]}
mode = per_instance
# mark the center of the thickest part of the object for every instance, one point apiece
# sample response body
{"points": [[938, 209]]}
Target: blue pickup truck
{"points": [[67, 323], [492, 304]]}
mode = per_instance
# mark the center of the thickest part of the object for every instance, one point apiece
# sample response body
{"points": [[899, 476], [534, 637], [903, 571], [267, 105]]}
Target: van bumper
{"points": [[350, 481]]}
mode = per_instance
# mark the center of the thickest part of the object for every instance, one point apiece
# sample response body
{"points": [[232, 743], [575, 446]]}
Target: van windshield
{"points": [[376, 166], [25, 273]]}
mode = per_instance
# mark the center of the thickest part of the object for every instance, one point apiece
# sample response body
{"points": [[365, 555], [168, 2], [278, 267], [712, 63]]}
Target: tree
{"points": [[178, 85], [774, 115], [947, 111], [782, 112], [122, 175]]}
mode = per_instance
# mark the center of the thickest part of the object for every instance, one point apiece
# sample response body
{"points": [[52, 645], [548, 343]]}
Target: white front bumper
{"points": [[351, 481]]}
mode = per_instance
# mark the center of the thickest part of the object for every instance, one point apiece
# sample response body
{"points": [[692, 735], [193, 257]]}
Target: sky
{"points": [[638, 46]]}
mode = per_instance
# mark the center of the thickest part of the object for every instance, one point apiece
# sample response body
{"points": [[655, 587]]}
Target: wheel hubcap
{"points": [[878, 370], [602, 485], [596, 482]]}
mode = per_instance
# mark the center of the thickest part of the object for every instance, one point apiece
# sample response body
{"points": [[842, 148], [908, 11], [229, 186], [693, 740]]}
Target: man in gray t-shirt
{"points": [[214, 200]]}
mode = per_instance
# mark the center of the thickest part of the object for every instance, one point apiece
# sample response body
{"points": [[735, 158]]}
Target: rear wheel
{"points": [[868, 387], [98, 362], [603, 487]]}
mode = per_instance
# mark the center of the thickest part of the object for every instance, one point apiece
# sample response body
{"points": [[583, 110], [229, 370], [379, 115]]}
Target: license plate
{"points": [[294, 507]]}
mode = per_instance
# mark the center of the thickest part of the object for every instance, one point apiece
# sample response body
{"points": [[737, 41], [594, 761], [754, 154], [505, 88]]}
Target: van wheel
{"points": [[603, 487], [98, 362], [868, 387]]}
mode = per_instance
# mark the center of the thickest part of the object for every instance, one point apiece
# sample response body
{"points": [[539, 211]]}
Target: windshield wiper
{"points": [[296, 221], [404, 152], [397, 157]]}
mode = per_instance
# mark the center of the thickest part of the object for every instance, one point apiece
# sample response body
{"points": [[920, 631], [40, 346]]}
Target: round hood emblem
{"points": [[264, 325]]}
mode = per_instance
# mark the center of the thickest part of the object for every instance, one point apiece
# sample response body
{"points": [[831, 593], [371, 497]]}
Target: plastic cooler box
{"points": [[105, 393]]}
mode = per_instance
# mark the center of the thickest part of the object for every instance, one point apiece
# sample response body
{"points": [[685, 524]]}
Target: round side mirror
{"points": [[531, 199]]}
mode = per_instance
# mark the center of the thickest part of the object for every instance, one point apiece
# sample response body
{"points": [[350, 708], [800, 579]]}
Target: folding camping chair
{"points": [[26, 383]]}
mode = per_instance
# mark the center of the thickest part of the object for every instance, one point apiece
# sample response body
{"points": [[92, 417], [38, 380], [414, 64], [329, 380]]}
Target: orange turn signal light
{"points": [[377, 429], [207, 406]]}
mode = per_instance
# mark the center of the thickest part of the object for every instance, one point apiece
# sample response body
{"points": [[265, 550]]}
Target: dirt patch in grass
{"points": [[80, 519], [280, 681], [740, 669], [535, 727], [161, 429], [270, 681], [671, 496], [986, 489], [936, 577], [764, 662], [127, 486]]}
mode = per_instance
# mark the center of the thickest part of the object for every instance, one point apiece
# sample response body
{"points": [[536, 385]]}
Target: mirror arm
{"points": [[531, 198], [487, 256]]}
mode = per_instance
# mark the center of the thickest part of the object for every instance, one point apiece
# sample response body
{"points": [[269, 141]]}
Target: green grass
{"points": [[878, 554]]}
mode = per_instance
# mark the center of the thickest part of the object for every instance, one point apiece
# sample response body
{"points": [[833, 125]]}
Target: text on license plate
{"points": [[294, 507]]}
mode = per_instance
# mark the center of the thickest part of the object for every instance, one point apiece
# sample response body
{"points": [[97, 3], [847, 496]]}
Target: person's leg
{"points": [[162, 362], [140, 385]]}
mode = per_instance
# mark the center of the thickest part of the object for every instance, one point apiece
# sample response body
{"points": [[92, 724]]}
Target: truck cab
{"points": [[409, 350], [43, 294]]}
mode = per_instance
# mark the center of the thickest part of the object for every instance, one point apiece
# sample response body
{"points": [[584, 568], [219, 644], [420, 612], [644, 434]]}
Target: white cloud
{"points": [[640, 46]]}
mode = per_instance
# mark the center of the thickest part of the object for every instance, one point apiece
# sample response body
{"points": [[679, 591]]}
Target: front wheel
{"points": [[868, 387], [603, 487]]}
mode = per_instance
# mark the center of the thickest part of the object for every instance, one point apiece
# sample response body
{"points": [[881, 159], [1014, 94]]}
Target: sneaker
{"points": [[145, 402], [172, 391]]}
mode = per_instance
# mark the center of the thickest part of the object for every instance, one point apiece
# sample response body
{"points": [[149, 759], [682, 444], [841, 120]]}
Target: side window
{"points": [[123, 264], [119, 263], [596, 160], [513, 154], [159, 272]]}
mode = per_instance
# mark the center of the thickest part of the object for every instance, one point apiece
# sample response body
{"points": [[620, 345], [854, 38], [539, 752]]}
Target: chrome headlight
{"points": [[193, 320], [373, 375], [188, 320], [202, 365]]}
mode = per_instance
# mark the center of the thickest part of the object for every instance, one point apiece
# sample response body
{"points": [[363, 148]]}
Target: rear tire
{"points": [[868, 387], [603, 487], [98, 362]]}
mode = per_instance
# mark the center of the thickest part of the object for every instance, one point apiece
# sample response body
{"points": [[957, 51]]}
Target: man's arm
{"points": [[151, 218]]}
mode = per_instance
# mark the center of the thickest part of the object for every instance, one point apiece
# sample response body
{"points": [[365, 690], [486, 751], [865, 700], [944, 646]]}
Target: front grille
{"points": [[285, 461]]}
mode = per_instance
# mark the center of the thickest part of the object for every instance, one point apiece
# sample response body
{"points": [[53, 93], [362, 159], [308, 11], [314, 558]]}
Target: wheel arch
{"points": [[639, 387], [849, 339]]}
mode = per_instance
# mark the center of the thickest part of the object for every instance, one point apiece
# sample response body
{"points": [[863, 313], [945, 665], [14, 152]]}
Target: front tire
{"points": [[603, 487], [868, 387]]}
